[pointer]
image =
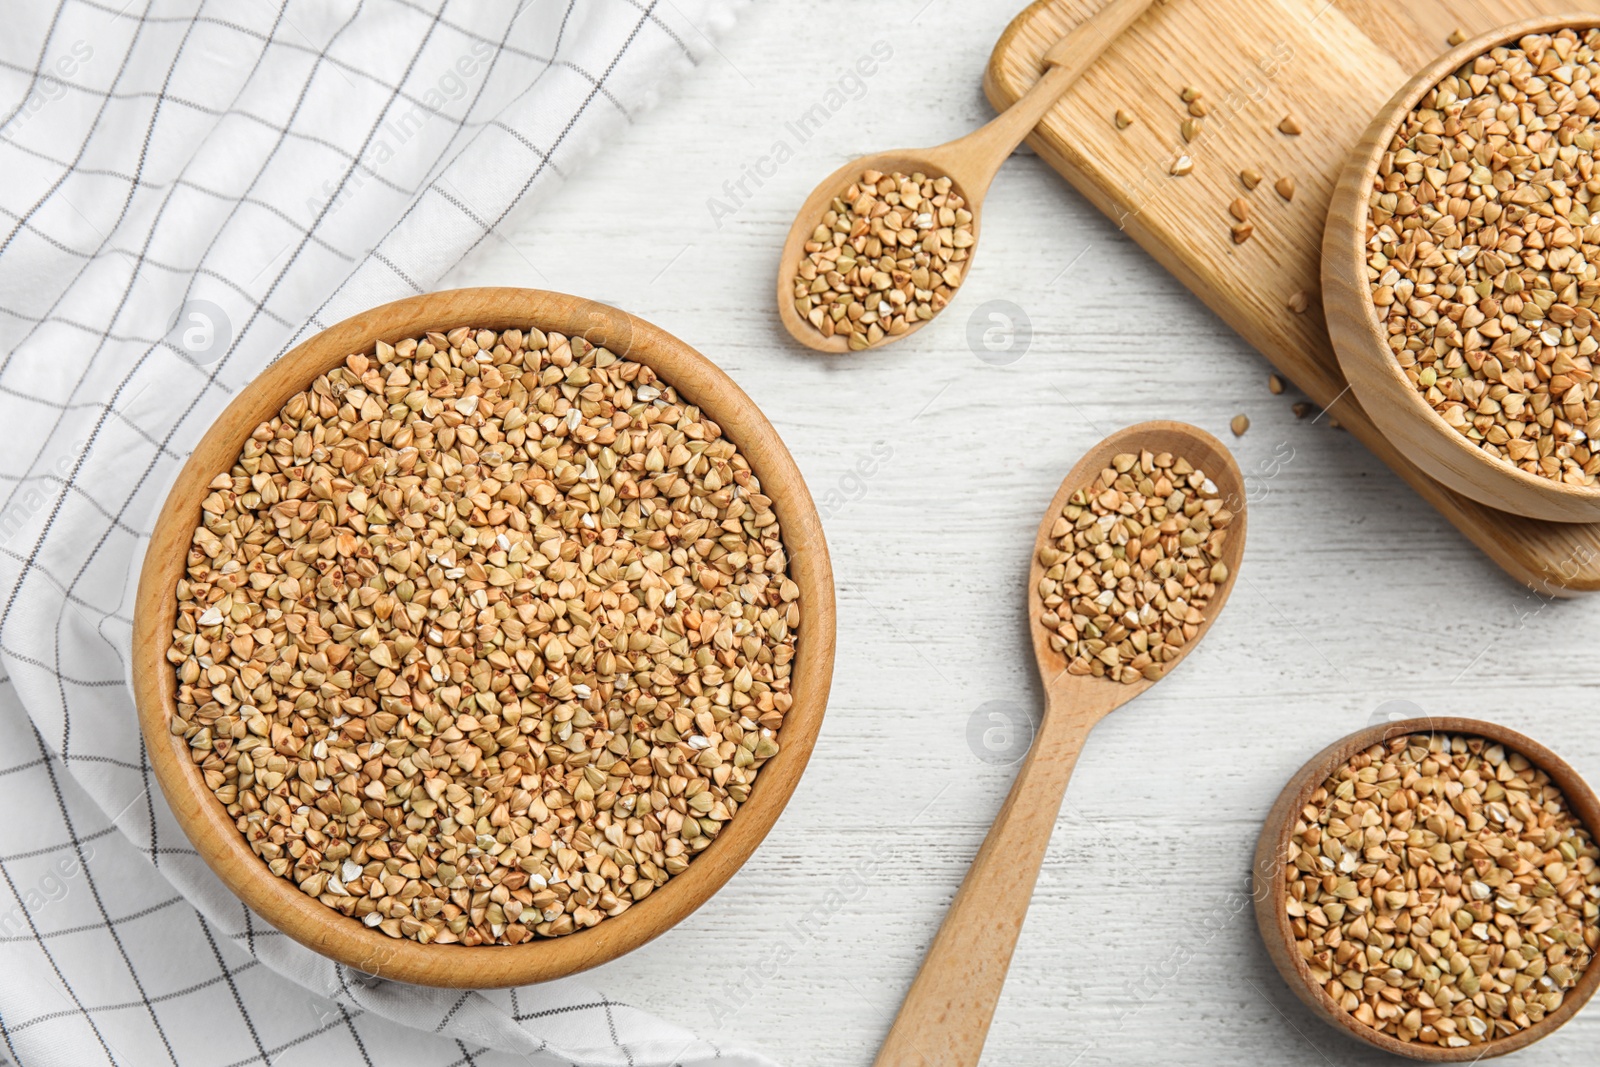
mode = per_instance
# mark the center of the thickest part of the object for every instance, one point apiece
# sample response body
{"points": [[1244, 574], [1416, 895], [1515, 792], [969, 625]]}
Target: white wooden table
{"points": [[1140, 947]]}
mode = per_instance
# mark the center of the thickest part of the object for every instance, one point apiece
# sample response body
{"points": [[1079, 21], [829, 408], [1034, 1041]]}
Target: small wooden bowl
{"points": [[344, 939], [1358, 337], [1271, 892]]}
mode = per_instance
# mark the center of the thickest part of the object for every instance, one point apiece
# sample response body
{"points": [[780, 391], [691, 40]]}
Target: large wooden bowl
{"points": [[345, 939], [1271, 891], [1358, 337]]}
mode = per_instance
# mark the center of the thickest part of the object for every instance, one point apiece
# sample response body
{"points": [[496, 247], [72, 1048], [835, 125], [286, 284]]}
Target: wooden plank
{"points": [[1257, 62]]}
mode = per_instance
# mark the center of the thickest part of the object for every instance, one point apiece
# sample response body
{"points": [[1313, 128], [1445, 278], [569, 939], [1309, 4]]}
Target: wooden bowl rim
{"points": [[346, 940], [905, 160], [1348, 245], [1273, 920]]}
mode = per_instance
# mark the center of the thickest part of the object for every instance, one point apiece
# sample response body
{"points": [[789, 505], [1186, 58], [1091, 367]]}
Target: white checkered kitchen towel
{"points": [[187, 189]]}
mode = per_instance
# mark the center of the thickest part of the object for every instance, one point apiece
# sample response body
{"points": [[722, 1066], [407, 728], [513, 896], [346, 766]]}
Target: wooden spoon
{"points": [[946, 1013], [970, 162]]}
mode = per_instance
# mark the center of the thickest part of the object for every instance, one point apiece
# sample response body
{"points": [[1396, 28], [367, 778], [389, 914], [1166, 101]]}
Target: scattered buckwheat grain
{"points": [[1442, 892], [1134, 560], [484, 636]]}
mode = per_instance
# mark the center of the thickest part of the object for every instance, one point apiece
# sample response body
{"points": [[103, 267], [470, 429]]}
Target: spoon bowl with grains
{"points": [[1133, 560], [1430, 888], [881, 244], [483, 637], [1461, 268]]}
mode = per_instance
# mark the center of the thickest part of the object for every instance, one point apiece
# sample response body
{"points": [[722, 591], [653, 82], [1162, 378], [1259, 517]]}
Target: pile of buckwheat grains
{"points": [[1441, 890], [484, 636], [889, 252], [1484, 260], [1136, 558]]}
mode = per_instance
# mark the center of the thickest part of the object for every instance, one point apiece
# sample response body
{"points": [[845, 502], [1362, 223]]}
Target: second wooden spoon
{"points": [[970, 162], [946, 1013]]}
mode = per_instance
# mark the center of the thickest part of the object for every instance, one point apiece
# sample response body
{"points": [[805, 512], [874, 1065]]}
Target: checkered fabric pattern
{"points": [[191, 188]]}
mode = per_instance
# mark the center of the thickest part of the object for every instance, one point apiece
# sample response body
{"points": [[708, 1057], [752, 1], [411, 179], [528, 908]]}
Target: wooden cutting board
{"points": [[1331, 64]]}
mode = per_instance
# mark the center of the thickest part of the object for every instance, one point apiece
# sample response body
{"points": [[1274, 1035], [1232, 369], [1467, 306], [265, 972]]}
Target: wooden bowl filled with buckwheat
{"points": [[1430, 887], [483, 637], [1461, 265]]}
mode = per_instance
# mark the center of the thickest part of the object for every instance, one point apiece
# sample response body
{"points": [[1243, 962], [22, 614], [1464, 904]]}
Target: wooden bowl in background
{"points": [[346, 939], [1271, 893], [1359, 338]]}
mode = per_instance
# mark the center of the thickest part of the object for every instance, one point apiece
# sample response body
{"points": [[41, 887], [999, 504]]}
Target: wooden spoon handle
{"points": [[946, 1013], [974, 159], [1079, 49]]}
